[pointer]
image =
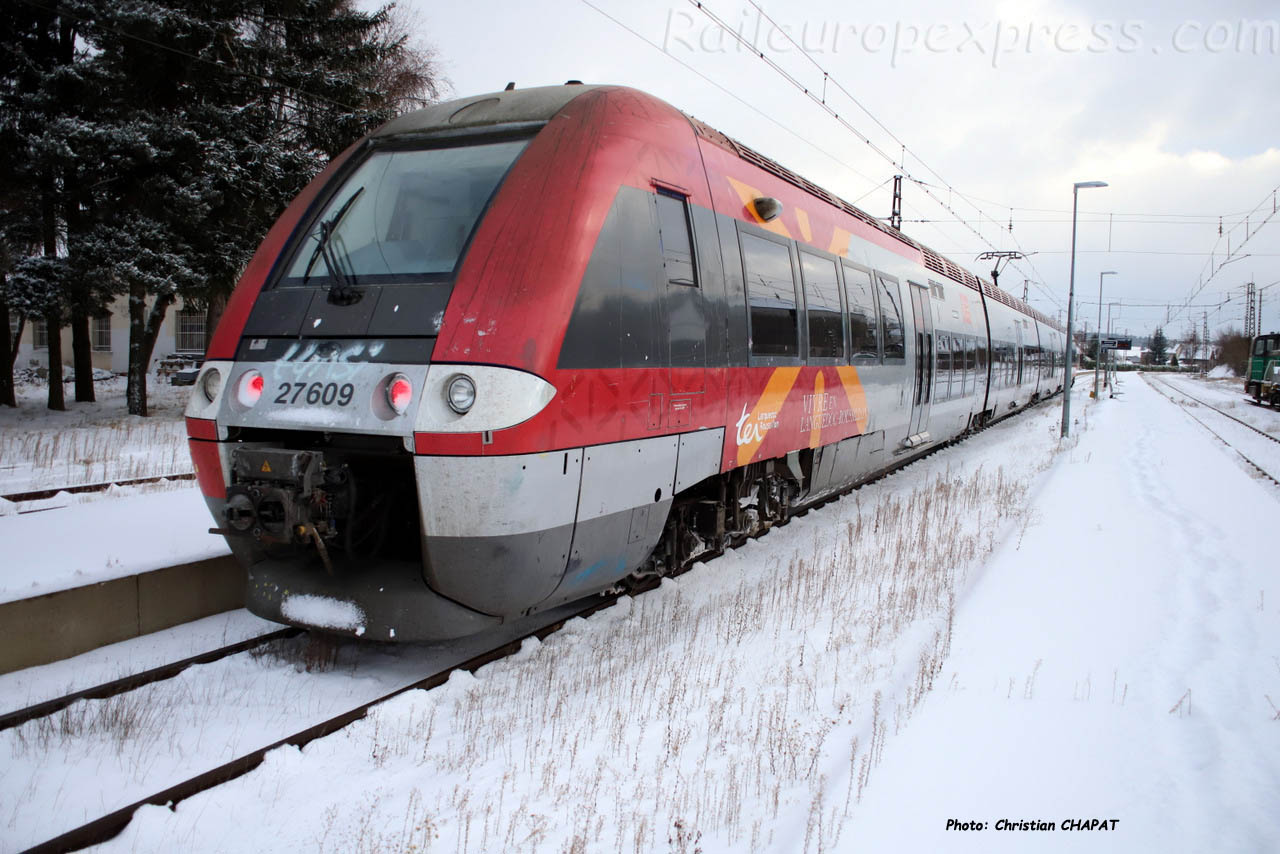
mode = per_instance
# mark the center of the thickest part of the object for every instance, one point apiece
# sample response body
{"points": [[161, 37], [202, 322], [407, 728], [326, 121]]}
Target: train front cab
{"points": [[1262, 378]]}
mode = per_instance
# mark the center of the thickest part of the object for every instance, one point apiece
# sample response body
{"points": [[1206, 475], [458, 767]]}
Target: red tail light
{"points": [[399, 393], [250, 388]]}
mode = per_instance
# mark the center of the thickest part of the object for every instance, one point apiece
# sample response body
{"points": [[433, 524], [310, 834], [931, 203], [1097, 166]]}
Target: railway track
{"points": [[123, 685], [1221, 412], [40, 494], [111, 824], [1274, 477]]}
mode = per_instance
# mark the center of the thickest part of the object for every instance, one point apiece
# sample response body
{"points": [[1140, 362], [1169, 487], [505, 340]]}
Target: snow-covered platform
{"points": [[79, 576]]}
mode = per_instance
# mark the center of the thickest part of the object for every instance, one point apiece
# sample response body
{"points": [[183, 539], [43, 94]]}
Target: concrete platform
{"points": [[58, 625]]}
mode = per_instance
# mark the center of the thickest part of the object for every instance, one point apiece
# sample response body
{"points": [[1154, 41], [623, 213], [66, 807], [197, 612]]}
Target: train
{"points": [[1262, 375], [522, 348]]}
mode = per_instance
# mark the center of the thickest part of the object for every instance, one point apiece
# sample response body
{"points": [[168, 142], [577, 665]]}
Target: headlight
{"points": [[399, 393], [460, 393], [211, 384], [249, 389]]}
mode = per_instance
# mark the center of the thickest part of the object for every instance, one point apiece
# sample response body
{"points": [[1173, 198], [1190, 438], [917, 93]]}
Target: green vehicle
{"points": [[1262, 379]]}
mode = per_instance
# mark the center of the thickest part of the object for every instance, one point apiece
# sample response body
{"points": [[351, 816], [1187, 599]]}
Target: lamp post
{"points": [[1110, 380], [1097, 356], [1071, 307]]}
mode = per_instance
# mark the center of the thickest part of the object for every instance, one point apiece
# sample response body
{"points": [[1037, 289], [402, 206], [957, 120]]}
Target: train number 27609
{"points": [[325, 393]]}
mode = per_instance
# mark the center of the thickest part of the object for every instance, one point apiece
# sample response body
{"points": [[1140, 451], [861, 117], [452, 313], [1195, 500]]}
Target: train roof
{"points": [[935, 261], [537, 105]]}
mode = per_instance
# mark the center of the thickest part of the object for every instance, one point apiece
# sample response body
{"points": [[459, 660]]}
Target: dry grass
{"points": [[81, 455], [92, 443], [312, 652], [704, 714]]}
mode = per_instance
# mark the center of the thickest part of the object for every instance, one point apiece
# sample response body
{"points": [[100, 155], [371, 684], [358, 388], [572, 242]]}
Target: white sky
{"points": [[1172, 104]]}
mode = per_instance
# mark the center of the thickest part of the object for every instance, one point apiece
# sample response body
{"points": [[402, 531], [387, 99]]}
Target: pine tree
{"points": [[39, 60], [1159, 346], [148, 145], [239, 104]]}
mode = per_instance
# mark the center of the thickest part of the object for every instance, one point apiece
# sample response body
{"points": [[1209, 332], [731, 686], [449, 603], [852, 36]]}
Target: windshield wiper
{"points": [[343, 290]]}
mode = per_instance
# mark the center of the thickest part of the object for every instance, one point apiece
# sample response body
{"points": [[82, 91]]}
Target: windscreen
{"points": [[403, 215]]}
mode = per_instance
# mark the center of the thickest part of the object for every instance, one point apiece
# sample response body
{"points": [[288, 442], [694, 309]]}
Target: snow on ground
{"points": [[853, 681], [91, 442], [750, 705], [97, 756], [1117, 661], [1227, 395], [23, 688], [86, 543]]}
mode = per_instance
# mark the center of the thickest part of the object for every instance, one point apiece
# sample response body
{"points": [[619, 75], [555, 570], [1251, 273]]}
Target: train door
{"points": [[1018, 355], [1042, 360], [684, 307], [922, 310]]}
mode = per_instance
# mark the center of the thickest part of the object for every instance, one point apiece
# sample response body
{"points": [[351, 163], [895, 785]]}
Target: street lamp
{"points": [[1097, 356], [1071, 307], [1111, 357]]}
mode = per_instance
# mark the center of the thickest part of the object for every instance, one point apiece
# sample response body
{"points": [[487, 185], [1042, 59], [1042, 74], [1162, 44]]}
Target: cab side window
{"points": [[677, 245]]}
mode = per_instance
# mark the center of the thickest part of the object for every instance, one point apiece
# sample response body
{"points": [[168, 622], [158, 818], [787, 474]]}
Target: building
{"points": [[1132, 356], [1200, 357], [182, 336]]}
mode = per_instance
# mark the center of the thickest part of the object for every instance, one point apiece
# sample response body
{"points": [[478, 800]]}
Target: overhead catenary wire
{"points": [[1241, 219], [898, 163], [772, 120], [1234, 254], [755, 109]]}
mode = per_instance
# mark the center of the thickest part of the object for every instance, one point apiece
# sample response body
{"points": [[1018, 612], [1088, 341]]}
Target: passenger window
{"points": [[674, 234], [943, 383], [771, 294], [864, 326], [822, 302], [891, 318], [957, 366], [970, 366]]}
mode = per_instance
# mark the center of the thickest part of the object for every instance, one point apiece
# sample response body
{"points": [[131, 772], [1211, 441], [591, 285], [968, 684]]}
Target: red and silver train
{"points": [[517, 349]]}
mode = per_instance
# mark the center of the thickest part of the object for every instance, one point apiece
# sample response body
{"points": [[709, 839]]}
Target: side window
{"points": [[943, 382], [677, 243], [822, 302], [771, 296], [891, 318], [864, 325], [970, 366], [1259, 346]]}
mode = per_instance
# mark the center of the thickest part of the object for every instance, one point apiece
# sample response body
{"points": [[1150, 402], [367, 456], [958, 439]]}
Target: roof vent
{"points": [[573, 82]]}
